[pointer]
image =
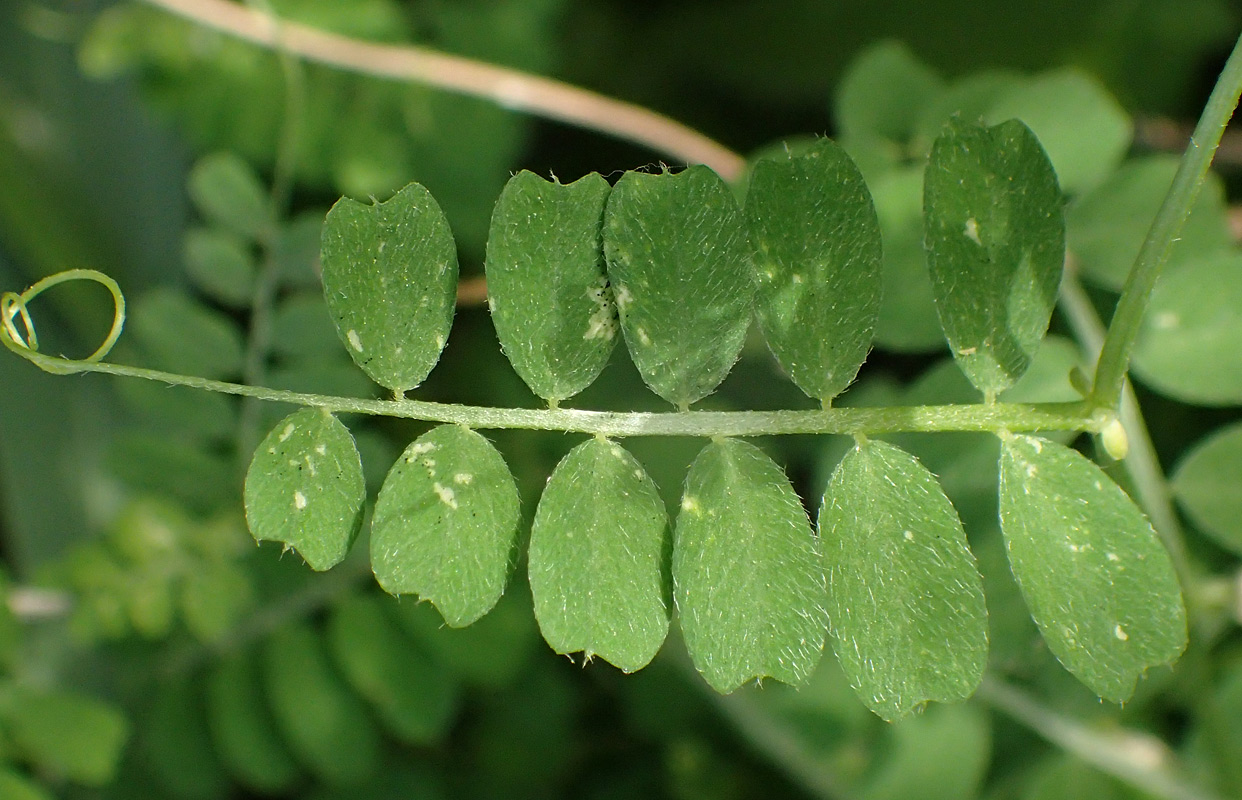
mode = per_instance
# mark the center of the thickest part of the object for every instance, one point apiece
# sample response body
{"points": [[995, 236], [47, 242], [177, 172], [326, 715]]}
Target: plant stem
{"points": [[1139, 759], [1127, 320], [258, 343], [1143, 465], [908, 419], [508, 88]]}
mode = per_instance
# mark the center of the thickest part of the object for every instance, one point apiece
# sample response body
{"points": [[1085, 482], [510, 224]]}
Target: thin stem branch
{"points": [[508, 88], [1138, 759], [995, 417], [1124, 328], [258, 343]]}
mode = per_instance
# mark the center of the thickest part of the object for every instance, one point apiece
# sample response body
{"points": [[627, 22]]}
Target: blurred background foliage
{"points": [[148, 649]]}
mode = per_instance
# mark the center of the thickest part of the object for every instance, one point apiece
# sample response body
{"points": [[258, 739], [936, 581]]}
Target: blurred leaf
{"points": [[996, 244], [904, 598], [908, 321], [1106, 226], [491, 653], [1096, 578], [178, 410], [413, 696], [969, 97], [1206, 484], [74, 736], [815, 243], [305, 488], [17, 787], [546, 287], [177, 746], [325, 724], [302, 328], [390, 277], [598, 551], [1190, 347], [942, 754], [680, 272], [213, 599], [747, 574], [296, 251], [1064, 777], [883, 93], [1081, 126], [445, 524], [226, 191], [199, 479], [243, 731], [221, 264], [178, 334]]}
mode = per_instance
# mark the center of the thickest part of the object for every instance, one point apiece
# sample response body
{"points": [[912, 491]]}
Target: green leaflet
{"points": [[680, 272], [904, 598], [445, 524], [546, 287], [815, 241], [221, 264], [176, 745], [1082, 127], [1192, 333], [597, 551], [305, 488], [1096, 579], [747, 574], [74, 736], [413, 696], [883, 93], [13, 786], [325, 724], [242, 728], [1206, 484], [1106, 226], [176, 333], [996, 245], [225, 190], [390, 279], [908, 321]]}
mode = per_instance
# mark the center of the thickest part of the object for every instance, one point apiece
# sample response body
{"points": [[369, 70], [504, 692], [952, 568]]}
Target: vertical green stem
{"points": [[1136, 294], [258, 342]]}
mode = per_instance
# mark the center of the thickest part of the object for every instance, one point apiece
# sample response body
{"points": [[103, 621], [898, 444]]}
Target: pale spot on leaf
{"points": [[299, 500], [354, 341]]}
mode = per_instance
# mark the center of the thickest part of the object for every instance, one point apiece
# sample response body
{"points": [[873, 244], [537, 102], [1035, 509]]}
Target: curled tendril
{"points": [[14, 306]]}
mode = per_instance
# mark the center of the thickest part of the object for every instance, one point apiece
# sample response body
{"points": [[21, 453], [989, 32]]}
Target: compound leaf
{"points": [[1095, 577], [1206, 484], [325, 724], [1190, 347], [747, 574], [546, 286], [243, 729], [390, 279], [996, 246], [815, 241], [597, 550], [680, 271], [414, 697], [445, 524], [904, 598], [305, 488]]}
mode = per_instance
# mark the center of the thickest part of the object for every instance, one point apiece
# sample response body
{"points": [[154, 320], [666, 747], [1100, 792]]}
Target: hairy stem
{"points": [[1127, 320], [508, 88], [995, 417]]}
